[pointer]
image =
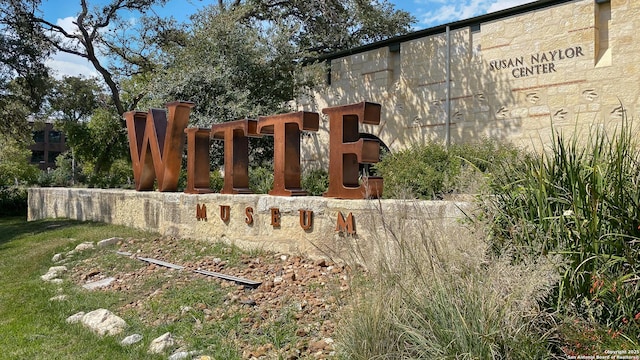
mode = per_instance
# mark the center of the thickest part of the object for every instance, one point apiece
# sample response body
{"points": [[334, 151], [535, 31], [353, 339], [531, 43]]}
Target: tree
{"points": [[325, 26], [24, 79], [73, 99], [15, 167], [242, 60], [96, 38], [92, 127]]}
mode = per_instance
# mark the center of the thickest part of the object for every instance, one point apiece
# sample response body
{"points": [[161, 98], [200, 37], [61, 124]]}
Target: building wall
{"points": [[569, 66]]}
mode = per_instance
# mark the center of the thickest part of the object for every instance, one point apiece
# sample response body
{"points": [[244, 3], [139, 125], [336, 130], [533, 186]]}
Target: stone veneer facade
{"points": [[514, 75], [176, 214]]}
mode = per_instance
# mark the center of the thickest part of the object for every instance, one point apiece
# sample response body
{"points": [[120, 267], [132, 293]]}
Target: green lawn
{"points": [[31, 326]]}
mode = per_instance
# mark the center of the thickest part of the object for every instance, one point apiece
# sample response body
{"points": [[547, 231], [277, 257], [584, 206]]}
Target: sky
{"points": [[429, 13]]}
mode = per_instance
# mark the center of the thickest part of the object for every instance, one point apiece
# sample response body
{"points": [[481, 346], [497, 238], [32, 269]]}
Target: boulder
{"points": [[104, 322], [85, 246], [53, 273], [75, 318], [109, 241], [131, 339], [161, 343]]}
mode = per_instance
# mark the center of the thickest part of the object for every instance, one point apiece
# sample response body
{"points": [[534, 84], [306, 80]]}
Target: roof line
{"points": [[536, 5]]}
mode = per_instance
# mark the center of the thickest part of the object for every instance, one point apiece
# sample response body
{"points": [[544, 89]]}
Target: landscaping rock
{"points": [[161, 343], [104, 322], [85, 246], [99, 284], [180, 355], [53, 273], [131, 339], [109, 242], [56, 258], [75, 318]]}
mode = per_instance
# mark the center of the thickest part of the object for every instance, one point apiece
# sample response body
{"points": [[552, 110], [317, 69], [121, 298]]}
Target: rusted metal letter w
{"points": [[156, 144]]}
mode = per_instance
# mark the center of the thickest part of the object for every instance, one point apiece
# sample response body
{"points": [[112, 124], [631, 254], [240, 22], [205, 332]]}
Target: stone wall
{"points": [[570, 66], [175, 214]]}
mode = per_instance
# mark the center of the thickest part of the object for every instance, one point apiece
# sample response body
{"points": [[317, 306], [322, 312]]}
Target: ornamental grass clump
{"points": [[432, 294], [581, 200]]}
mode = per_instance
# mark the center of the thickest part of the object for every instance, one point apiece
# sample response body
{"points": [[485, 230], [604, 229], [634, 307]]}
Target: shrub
{"points": [[216, 181], [315, 182], [582, 201], [13, 201], [431, 171], [261, 179]]}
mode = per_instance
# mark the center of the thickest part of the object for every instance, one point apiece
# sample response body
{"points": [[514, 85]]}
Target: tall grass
{"points": [[429, 297], [580, 200]]}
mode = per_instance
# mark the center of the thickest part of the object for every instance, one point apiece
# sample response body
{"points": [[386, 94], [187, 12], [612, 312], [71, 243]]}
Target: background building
{"points": [[49, 143], [513, 75]]}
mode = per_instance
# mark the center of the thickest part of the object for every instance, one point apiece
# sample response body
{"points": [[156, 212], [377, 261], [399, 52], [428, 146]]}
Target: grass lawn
{"points": [[289, 316], [33, 327]]}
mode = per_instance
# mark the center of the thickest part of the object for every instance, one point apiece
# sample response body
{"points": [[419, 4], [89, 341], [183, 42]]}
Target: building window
{"points": [[37, 156], [52, 156], [55, 136], [38, 136]]}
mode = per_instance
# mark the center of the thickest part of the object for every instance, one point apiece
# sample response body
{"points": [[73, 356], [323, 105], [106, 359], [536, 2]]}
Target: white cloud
{"points": [[64, 64], [67, 24], [444, 12], [505, 4]]}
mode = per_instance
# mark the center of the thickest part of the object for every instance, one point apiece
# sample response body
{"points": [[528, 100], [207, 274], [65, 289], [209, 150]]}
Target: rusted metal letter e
{"points": [[156, 142]]}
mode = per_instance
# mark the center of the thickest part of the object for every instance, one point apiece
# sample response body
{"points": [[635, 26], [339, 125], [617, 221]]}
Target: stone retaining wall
{"points": [[175, 214]]}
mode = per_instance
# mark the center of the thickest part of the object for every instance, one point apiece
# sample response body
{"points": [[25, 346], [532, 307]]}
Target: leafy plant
{"points": [[431, 171], [581, 201], [315, 182], [261, 179]]}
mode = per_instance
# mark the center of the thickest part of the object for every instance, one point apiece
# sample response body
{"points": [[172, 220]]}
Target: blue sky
{"points": [[429, 13]]}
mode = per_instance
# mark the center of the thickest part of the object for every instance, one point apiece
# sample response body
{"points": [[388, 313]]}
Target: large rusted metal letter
{"points": [[156, 143], [236, 153], [345, 225], [286, 129], [347, 151], [197, 161]]}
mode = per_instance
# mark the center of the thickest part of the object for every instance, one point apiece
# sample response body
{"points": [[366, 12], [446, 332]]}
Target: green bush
{"points": [[431, 171], [581, 201], [261, 179], [13, 201], [216, 181], [315, 182]]}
